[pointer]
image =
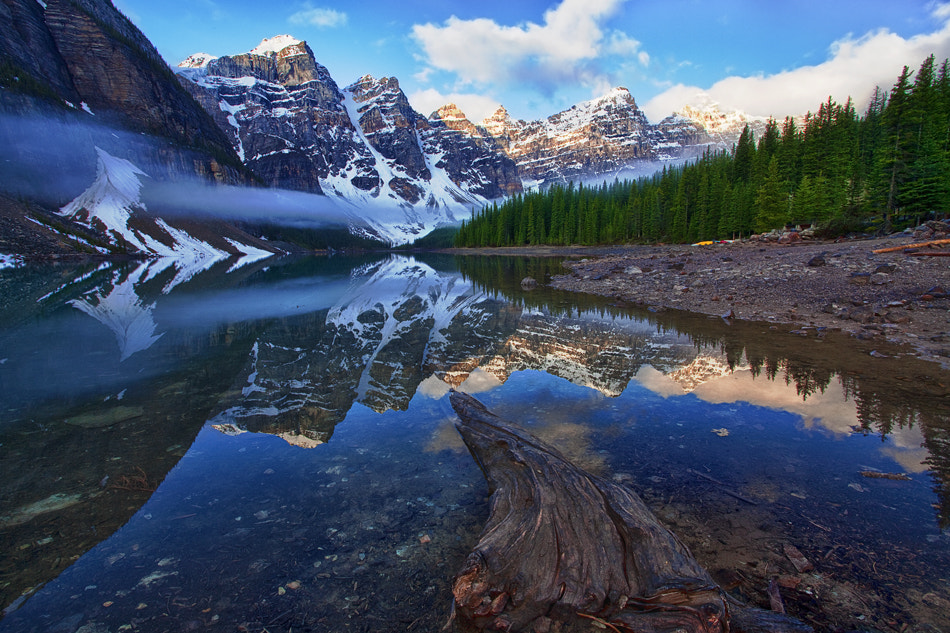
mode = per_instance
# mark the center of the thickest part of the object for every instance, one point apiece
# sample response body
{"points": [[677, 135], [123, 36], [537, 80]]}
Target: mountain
{"points": [[724, 128], [78, 81], [592, 138], [79, 84], [363, 146], [607, 137]]}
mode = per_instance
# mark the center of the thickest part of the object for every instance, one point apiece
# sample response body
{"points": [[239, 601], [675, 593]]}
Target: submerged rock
{"points": [[102, 419]]}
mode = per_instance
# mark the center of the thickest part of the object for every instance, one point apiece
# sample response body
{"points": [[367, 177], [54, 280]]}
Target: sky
{"points": [[539, 57]]}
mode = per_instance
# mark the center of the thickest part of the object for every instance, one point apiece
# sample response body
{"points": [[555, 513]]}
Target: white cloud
{"points": [[619, 43], [318, 16], [566, 47], [853, 68], [475, 106]]}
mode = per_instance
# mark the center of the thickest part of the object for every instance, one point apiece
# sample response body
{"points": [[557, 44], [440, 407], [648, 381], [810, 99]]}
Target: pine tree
{"points": [[744, 156], [895, 154], [771, 200], [926, 188]]}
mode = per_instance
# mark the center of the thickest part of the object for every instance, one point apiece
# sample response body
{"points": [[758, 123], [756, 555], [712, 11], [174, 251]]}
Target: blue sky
{"points": [[765, 57]]}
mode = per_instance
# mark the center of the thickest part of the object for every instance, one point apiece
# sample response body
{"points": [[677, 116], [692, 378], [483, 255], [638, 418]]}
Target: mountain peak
{"points": [[708, 115], [454, 119], [448, 112], [198, 60], [498, 122], [369, 80], [616, 96], [273, 45]]}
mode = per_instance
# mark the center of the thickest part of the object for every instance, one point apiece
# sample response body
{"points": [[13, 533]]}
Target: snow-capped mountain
{"points": [[404, 173], [112, 206], [275, 116], [591, 138], [605, 137], [723, 128], [363, 146]]}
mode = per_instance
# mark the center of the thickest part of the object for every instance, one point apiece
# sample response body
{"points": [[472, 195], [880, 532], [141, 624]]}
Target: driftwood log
{"points": [[564, 550]]}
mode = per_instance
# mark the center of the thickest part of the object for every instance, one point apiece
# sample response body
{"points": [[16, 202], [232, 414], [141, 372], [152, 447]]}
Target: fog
{"points": [[53, 159], [252, 205]]}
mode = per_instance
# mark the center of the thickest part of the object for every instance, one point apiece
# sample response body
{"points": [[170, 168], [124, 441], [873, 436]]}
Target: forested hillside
{"points": [[837, 170]]}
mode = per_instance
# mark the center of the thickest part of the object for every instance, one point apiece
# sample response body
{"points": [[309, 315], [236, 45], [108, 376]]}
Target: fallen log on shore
{"points": [[893, 249], [563, 549]]}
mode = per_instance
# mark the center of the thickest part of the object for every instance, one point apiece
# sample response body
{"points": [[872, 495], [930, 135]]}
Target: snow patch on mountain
{"points": [[109, 202], [383, 212], [198, 60], [273, 45], [109, 205], [113, 206]]}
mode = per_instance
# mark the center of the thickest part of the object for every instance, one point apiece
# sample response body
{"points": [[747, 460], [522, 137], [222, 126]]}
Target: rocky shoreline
{"points": [[807, 287]]}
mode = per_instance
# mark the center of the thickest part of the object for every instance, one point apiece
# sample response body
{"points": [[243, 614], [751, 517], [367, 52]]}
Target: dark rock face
{"points": [[390, 124], [86, 52], [28, 47], [470, 156], [290, 136]]}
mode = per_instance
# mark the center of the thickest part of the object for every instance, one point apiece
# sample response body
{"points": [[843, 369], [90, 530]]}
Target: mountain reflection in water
{"points": [[348, 361]]}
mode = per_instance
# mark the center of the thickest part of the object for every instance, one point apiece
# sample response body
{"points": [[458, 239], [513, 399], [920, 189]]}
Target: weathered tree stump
{"points": [[563, 548]]}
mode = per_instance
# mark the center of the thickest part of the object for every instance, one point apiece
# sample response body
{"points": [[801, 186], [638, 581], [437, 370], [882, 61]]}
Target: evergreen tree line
{"points": [[837, 170]]}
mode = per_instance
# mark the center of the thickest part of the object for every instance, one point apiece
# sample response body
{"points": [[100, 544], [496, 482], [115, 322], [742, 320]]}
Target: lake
{"points": [[270, 447]]}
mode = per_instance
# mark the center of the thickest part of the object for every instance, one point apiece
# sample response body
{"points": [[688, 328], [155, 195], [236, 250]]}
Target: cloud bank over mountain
{"points": [[568, 47], [854, 65], [577, 44]]}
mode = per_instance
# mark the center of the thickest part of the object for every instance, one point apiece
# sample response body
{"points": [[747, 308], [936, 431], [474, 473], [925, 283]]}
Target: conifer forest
{"points": [[837, 170]]}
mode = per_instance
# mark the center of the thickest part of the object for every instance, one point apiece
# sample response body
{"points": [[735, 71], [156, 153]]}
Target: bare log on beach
{"points": [[563, 549]]}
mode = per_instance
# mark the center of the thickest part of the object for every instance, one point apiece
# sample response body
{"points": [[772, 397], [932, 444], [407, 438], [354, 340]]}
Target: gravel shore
{"points": [[806, 287]]}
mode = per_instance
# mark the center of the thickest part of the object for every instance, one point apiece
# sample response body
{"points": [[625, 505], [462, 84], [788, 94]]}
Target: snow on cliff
{"points": [[198, 60], [273, 45], [109, 202], [113, 205]]}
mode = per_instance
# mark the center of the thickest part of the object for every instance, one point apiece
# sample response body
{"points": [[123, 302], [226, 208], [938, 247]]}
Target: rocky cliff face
{"points": [[469, 156], [291, 135], [85, 57]]}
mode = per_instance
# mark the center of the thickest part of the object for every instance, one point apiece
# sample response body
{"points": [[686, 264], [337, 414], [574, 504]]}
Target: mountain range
{"points": [[265, 100], [274, 117]]}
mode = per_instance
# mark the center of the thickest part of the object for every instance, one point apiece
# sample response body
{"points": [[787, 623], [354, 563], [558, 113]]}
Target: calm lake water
{"points": [[270, 447]]}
